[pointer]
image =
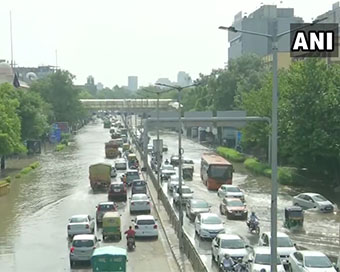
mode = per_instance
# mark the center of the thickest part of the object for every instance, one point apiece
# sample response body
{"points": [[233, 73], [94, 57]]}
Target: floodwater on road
{"points": [[34, 215]]}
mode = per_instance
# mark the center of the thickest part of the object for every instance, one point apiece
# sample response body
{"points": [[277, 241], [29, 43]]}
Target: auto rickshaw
{"points": [[132, 159], [293, 218], [111, 226], [187, 172], [109, 259], [126, 147]]}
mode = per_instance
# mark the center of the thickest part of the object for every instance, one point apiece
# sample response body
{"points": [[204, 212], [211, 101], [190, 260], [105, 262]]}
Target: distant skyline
{"points": [[114, 39]]}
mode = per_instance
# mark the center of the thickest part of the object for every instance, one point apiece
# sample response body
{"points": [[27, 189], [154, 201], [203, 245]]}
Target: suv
{"points": [[104, 207], [82, 248], [117, 189], [138, 186], [131, 175]]}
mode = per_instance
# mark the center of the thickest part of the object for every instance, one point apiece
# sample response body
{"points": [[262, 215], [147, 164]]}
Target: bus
{"points": [[215, 171]]}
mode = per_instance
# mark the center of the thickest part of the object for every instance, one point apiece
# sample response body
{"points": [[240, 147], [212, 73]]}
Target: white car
{"points": [[166, 171], [140, 203], [80, 224], [310, 261], [230, 244], [173, 183], [120, 164], [146, 226], [187, 194], [259, 258], [230, 191], [208, 225], [285, 246], [82, 248], [313, 200]]}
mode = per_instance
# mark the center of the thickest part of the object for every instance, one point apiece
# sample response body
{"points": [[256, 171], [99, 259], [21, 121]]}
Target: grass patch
{"points": [[230, 154], [3, 182], [60, 147], [25, 170], [257, 167], [18, 175], [34, 165]]}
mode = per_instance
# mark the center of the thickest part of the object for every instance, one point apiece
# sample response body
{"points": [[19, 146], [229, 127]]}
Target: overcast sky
{"points": [[112, 39]]}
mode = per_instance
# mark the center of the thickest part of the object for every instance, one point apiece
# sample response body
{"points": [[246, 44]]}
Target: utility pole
{"points": [[11, 34]]}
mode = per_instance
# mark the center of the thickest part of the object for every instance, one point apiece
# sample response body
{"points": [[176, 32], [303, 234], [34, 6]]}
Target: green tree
{"points": [[10, 140], [58, 90]]}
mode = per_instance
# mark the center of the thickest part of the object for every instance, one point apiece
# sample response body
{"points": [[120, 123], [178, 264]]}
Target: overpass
{"points": [[129, 105]]}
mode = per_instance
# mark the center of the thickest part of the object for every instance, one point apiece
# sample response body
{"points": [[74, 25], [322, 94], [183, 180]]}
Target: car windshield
{"points": [[121, 165], [174, 179], [235, 243], [133, 174], [146, 222], [319, 198], [233, 189], [106, 207], [186, 191], [117, 186], [188, 162], [317, 262], [199, 204], [168, 167], [139, 197], [220, 171], [284, 242], [235, 203], [265, 259], [78, 219], [83, 243], [212, 220]]}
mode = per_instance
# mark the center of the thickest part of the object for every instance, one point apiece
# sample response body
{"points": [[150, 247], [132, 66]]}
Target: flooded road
{"points": [[321, 231], [34, 215]]}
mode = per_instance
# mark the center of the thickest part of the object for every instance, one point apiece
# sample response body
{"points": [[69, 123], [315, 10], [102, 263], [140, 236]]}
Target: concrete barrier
{"points": [[188, 247]]}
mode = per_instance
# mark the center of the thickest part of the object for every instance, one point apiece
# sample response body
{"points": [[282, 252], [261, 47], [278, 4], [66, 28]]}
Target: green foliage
{"points": [[230, 154], [17, 176], [285, 175], [25, 170], [60, 147], [57, 89], [257, 167], [3, 182], [34, 165], [10, 127]]}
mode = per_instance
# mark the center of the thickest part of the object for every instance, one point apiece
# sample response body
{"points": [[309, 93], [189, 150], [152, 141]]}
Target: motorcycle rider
{"points": [[166, 161], [240, 267], [130, 233], [228, 262], [252, 219]]}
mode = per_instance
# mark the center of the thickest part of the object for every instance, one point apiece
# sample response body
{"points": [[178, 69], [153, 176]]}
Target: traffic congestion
{"points": [[228, 219]]}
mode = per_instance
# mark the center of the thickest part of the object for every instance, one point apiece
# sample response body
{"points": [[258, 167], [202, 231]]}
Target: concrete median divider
{"points": [[188, 247]]}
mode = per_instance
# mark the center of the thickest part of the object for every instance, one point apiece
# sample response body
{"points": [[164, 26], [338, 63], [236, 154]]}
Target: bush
{"points": [[18, 176], [34, 165], [3, 182], [257, 167], [25, 170], [60, 147], [8, 179], [230, 154], [286, 175]]}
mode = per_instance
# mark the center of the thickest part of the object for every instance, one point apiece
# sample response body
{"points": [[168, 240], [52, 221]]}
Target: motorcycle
{"points": [[131, 243], [226, 268], [254, 226], [237, 267]]}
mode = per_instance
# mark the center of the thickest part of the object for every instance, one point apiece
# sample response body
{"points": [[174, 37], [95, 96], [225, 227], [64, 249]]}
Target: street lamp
{"points": [[180, 152], [274, 41]]}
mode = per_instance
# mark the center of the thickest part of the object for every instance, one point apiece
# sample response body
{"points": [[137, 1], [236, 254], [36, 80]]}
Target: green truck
{"points": [[100, 176]]}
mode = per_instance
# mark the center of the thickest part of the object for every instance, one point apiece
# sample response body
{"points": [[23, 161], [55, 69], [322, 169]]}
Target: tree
{"points": [[10, 140], [33, 112], [58, 90]]}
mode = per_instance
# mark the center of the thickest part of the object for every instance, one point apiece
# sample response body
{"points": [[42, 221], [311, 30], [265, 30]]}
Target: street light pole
{"points": [[158, 147]]}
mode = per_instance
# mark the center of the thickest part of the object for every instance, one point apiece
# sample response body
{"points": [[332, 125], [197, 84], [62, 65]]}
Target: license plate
{"points": [[116, 190]]}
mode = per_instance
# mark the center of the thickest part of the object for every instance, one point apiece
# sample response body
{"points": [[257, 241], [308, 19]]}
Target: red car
{"points": [[117, 190], [234, 208]]}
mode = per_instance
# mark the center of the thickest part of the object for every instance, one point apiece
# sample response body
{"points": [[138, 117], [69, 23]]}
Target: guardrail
{"points": [[188, 247]]}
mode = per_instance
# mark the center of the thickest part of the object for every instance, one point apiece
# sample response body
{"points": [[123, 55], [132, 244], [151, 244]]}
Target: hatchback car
{"points": [[259, 258], [104, 207], [308, 261], [146, 226], [131, 175], [231, 244], [82, 247], [166, 171], [208, 225], [233, 208], [196, 206], [117, 190], [120, 164], [187, 194], [312, 200], [80, 224], [138, 186], [230, 191], [140, 203], [285, 246]]}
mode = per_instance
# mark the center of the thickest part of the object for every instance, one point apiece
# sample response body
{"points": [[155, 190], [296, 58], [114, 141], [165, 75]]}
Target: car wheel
{"points": [[289, 268], [221, 210], [228, 215], [72, 264]]}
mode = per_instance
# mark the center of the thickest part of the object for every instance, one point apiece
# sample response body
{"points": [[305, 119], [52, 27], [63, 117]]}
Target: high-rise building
{"points": [[261, 20], [183, 79], [133, 83]]}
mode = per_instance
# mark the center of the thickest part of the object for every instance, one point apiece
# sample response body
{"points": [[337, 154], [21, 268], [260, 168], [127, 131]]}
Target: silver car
{"points": [[140, 203], [313, 200], [187, 194], [227, 190], [102, 208], [82, 248]]}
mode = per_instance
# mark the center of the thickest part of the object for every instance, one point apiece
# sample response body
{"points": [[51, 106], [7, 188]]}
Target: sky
{"points": [[112, 39]]}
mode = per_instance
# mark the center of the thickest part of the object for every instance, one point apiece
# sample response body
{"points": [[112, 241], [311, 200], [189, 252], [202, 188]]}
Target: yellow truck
{"points": [[100, 176]]}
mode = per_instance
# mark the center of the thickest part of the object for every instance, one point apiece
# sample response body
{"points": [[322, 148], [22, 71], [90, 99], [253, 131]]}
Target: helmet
{"points": [[253, 213], [130, 227], [263, 270], [226, 255], [239, 260]]}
